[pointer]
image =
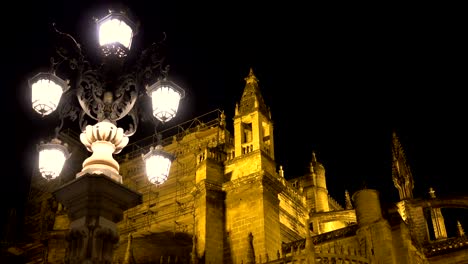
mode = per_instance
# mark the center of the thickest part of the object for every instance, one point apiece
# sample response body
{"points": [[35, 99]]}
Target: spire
{"points": [[251, 78], [252, 99], [460, 231], [401, 173], [349, 205]]}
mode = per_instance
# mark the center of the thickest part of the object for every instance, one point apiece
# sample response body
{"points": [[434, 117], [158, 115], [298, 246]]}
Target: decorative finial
{"points": [[251, 79], [432, 192], [281, 171], [222, 121], [460, 230]]}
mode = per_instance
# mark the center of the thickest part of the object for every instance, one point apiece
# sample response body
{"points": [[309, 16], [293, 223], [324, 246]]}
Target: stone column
{"points": [[95, 204]]}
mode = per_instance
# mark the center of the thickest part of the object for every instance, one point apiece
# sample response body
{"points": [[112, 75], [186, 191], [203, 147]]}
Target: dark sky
{"points": [[338, 79]]}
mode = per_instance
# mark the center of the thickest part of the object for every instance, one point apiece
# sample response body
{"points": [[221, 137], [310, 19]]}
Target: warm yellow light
{"points": [[115, 31], [158, 164], [46, 91], [165, 97], [52, 157]]}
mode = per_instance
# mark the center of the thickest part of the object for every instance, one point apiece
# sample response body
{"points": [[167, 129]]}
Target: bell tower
{"points": [[253, 127], [252, 186]]}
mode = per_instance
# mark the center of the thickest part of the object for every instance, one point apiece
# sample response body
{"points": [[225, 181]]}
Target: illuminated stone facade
{"points": [[227, 201]]}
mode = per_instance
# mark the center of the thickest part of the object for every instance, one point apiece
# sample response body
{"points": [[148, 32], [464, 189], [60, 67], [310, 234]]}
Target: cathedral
{"points": [[226, 200]]}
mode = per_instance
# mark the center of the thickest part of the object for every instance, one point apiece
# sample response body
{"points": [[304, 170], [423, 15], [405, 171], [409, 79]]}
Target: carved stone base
{"points": [[95, 204], [91, 240]]}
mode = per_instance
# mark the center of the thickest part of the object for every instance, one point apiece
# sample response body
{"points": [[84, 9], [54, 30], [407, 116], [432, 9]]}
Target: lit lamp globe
{"points": [[52, 156], [46, 91], [165, 96], [115, 33], [157, 163]]}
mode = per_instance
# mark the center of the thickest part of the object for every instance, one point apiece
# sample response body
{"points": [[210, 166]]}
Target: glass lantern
{"points": [[46, 91], [115, 33], [52, 157], [158, 164], [165, 96]]}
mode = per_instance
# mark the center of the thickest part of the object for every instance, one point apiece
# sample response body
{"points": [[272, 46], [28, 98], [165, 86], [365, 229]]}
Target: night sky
{"points": [[338, 79]]}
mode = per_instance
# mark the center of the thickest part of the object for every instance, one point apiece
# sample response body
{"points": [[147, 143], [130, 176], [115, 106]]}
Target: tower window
{"points": [[246, 132]]}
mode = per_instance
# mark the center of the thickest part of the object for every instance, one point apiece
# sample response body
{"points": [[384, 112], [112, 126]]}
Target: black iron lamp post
{"points": [[106, 94]]}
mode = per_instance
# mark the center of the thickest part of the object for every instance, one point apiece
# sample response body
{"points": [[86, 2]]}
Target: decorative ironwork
{"points": [[108, 91]]}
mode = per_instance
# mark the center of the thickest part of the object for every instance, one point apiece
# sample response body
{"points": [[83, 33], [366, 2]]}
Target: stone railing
{"points": [[334, 203], [339, 258], [295, 252], [215, 153], [322, 238], [445, 246], [292, 191], [339, 233], [322, 258]]}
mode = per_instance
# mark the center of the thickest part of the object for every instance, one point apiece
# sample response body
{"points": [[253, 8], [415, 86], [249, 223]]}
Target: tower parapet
{"points": [[374, 233]]}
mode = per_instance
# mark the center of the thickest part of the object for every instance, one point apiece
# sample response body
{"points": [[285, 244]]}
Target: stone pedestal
{"points": [[95, 204]]}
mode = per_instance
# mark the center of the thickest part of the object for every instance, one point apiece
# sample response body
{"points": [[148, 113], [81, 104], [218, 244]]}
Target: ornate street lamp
{"points": [[106, 94]]}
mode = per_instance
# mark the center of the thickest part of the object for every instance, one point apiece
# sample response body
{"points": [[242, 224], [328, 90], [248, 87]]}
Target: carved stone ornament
{"points": [[103, 139]]}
